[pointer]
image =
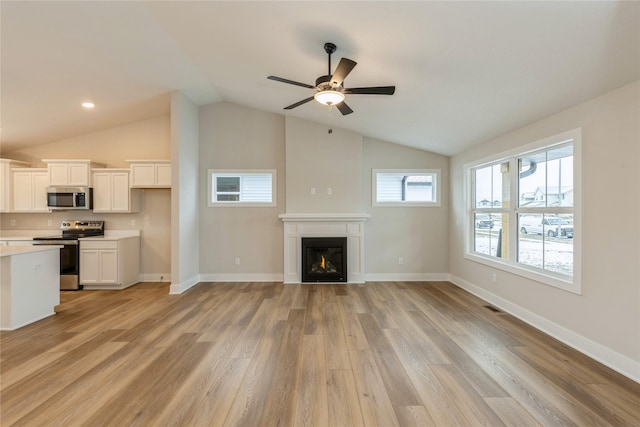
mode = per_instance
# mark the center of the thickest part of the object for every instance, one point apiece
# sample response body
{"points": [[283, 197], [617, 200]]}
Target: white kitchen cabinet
{"points": [[150, 173], [111, 191], [6, 182], [109, 264], [30, 190], [70, 172]]}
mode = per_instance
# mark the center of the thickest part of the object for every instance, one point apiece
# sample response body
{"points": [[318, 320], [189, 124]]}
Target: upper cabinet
{"points": [[6, 182], [70, 172], [30, 190], [111, 192], [150, 173]]}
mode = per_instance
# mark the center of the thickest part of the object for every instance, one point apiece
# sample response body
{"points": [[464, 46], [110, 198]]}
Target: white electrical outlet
{"points": [[400, 260], [329, 191], [13, 222], [237, 261], [133, 222], [49, 222], [313, 191]]}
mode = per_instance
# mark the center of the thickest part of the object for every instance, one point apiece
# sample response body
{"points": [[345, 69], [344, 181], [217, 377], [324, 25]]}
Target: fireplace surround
{"points": [[346, 225]]}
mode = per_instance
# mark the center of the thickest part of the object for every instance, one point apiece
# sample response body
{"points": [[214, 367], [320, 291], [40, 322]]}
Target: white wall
{"points": [[185, 230], [145, 139], [319, 159], [605, 320], [418, 235], [235, 137]]}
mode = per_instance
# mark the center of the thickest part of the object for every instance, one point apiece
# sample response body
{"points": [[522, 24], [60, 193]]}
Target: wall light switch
{"points": [[133, 222], [329, 191], [13, 222], [49, 222], [313, 191], [237, 260]]}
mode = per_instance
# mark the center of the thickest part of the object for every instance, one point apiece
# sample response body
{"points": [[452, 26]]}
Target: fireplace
{"points": [[324, 259]]}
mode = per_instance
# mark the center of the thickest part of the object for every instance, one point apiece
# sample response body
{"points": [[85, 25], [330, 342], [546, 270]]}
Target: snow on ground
{"points": [[551, 253]]}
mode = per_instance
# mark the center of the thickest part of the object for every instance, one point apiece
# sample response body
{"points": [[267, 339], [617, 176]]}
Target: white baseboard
{"points": [[277, 277], [407, 277], [614, 360], [155, 277], [178, 288]]}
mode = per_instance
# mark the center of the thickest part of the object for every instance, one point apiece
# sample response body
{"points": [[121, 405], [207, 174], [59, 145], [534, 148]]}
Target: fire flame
{"points": [[322, 263]]}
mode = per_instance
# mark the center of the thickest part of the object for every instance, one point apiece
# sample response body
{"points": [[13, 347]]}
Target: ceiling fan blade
{"points": [[299, 103], [379, 90], [344, 108], [342, 71], [291, 82]]}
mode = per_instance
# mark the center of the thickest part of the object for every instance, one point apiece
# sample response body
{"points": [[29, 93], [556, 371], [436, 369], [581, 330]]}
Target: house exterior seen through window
{"points": [[522, 211], [242, 187], [405, 187]]}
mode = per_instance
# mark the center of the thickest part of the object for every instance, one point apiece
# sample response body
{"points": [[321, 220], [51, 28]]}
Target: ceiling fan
{"points": [[330, 89]]}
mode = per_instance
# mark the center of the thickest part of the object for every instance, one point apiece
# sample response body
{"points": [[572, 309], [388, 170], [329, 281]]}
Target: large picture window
{"points": [[242, 187], [523, 211]]}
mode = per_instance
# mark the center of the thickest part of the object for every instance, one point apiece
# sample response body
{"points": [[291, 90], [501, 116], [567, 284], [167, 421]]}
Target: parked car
{"points": [[483, 221], [551, 226]]}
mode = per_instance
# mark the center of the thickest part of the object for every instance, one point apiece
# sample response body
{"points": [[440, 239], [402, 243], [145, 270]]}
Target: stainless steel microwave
{"points": [[68, 198]]}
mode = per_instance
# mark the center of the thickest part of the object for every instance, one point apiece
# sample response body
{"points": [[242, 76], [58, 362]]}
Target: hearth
{"points": [[324, 259]]}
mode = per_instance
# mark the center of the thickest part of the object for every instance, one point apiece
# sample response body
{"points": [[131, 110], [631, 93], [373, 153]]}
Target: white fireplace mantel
{"points": [[299, 225]]}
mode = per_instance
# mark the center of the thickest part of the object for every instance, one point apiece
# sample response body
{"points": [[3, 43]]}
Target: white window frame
{"points": [[571, 284], [436, 178], [212, 173]]}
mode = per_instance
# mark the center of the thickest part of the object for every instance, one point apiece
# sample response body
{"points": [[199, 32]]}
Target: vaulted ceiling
{"points": [[464, 71]]}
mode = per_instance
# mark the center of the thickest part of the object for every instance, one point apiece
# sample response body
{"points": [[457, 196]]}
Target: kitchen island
{"points": [[30, 284]]}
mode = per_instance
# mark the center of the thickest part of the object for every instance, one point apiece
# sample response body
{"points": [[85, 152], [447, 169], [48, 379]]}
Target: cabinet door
{"points": [[142, 175], [39, 182], [22, 194], [5, 187], [78, 174], [89, 266], [108, 266], [58, 174], [120, 191], [163, 175], [101, 192]]}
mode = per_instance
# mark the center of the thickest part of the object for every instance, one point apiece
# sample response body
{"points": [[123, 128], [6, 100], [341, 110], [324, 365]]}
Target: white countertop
{"points": [[18, 250], [30, 234], [26, 234], [114, 235]]}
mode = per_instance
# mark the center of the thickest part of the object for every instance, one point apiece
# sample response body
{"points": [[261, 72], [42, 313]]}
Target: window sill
{"points": [[406, 204], [570, 285], [240, 205]]}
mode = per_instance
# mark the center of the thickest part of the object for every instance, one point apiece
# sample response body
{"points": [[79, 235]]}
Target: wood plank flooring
{"points": [[268, 354]]}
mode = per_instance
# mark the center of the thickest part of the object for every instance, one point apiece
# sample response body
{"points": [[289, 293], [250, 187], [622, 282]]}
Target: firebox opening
{"points": [[324, 259]]}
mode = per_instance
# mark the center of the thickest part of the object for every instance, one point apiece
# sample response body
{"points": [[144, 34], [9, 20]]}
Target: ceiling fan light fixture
{"points": [[329, 97]]}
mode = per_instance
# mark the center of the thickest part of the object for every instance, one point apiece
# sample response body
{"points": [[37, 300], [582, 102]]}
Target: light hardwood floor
{"points": [[254, 354]]}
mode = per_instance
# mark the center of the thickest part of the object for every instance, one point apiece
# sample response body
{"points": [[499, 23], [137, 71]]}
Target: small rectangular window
{"points": [[405, 187], [242, 187]]}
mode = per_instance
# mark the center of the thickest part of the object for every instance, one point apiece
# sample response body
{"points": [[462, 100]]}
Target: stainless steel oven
{"points": [[70, 251]]}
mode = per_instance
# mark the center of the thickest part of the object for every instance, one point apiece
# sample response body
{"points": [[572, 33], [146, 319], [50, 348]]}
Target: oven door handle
{"points": [[54, 242]]}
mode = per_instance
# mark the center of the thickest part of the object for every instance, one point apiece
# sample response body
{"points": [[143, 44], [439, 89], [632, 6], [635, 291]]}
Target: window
{"points": [[242, 188], [523, 211], [405, 187]]}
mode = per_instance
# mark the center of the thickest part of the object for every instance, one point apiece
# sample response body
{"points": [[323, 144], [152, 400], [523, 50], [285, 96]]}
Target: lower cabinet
{"points": [[109, 264]]}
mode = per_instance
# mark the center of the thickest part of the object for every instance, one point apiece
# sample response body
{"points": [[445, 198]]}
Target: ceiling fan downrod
{"points": [[329, 48]]}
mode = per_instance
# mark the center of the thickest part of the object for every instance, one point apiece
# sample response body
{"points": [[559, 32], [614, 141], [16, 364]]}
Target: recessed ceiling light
{"points": [[88, 105]]}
